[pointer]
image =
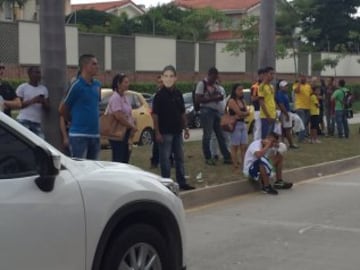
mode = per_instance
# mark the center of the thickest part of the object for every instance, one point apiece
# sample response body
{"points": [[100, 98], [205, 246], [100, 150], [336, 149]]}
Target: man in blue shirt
{"points": [[282, 100], [80, 108]]}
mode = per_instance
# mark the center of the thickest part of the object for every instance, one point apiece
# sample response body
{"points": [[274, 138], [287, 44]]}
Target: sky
{"points": [[147, 3]]}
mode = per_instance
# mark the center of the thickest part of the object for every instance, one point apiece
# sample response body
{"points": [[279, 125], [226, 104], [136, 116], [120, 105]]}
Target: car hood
{"points": [[84, 169]]}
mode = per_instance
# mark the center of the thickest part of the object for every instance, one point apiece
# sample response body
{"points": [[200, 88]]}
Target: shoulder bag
{"points": [[110, 127]]}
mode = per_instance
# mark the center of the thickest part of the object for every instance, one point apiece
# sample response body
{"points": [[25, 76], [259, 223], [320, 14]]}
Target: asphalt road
{"points": [[314, 226]]}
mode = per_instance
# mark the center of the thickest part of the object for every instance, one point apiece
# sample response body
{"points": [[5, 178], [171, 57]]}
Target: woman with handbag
{"points": [[239, 136], [120, 108]]}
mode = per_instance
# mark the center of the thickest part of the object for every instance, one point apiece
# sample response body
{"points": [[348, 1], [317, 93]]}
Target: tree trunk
{"points": [[53, 63], [267, 34]]}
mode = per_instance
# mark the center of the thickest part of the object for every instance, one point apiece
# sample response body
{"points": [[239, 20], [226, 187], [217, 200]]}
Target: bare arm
{"points": [[13, 104], [267, 146], [235, 108], [263, 107], [64, 111]]}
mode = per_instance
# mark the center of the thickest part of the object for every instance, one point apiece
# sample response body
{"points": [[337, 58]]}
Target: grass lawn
{"points": [[330, 149]]}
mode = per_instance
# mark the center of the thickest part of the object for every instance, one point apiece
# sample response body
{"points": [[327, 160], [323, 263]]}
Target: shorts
{"points": [[284, 122], [240, 135], [254, 170], [314, 121]]}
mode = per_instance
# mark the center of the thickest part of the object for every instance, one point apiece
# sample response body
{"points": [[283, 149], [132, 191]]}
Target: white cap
{"points": [[283, 83]]}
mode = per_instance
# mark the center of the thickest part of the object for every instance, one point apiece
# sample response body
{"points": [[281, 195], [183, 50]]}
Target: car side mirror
{"points": [[48, 167]]}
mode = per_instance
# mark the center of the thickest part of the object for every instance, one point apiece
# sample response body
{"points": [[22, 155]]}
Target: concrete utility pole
{"points": [[53, 63], [267, 34]]}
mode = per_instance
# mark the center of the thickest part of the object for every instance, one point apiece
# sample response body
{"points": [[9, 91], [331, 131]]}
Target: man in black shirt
{"points": [[169, 122], [10, 100]]}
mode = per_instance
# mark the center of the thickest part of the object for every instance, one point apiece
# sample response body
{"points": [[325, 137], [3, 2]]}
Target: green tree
{"points": [[326, 23], [246, 38], [90, 20], [14, 4]]}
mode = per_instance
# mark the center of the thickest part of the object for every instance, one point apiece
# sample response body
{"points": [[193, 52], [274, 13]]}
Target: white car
{"points": [[60, 213]]}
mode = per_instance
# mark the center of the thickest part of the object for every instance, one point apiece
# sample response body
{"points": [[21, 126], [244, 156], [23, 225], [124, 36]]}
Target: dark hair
{"points": [[213, 71], [85, 59], [268, 69], [31, 69], [233, 91], [273, 135], [260, 71], [342, 82], [169, 68], [118, 78]]}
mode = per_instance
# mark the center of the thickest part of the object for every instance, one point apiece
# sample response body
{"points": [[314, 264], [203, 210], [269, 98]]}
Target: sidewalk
{"points": [[211, 194]]}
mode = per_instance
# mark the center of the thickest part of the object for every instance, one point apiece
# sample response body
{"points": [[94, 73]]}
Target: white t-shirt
{"points": [[26, 92], [250, 156]]}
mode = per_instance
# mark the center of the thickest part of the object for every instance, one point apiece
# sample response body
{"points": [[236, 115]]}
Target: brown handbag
{"points": [[111, 128], [228, 122]]}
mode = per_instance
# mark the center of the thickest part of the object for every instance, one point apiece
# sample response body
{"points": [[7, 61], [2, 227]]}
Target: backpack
{"points": [[195, 102], [347, 101]]}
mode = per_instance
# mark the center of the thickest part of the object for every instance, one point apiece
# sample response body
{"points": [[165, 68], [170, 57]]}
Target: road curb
{"points": [[212, 194]]}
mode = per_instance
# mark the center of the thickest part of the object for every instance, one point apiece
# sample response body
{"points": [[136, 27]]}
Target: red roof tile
{"points": [[218, 4], [220, 35], [103, 6]]}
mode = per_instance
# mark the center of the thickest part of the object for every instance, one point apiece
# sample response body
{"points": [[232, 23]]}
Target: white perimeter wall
{"points": [[29, 44], [227, 62], [153, 54]]}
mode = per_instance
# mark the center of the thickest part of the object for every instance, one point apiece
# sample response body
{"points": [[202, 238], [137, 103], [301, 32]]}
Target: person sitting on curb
{"points": [[261, 158]]}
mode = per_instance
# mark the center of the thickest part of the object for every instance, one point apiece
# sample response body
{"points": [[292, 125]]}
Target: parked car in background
{"points": [[193, 117], [149, 98], [63, 213], [141, 111]]}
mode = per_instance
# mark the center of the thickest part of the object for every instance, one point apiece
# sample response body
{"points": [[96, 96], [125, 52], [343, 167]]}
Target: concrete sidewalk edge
{"points": [[212, 194]]}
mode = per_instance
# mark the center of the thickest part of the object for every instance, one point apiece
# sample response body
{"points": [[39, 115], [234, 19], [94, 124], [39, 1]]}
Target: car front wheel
{"points": [[146, 137], [197, 122], [138, 247]]}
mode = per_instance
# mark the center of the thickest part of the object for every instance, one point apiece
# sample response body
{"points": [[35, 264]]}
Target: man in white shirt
{"points": [[34, 99], [261, 157]]}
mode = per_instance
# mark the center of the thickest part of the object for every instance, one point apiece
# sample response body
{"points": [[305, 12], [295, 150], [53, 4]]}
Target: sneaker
{"points": [[269, 190], [317, 141], [293, 146], [210, 162], [186, 187], [281, 184]]}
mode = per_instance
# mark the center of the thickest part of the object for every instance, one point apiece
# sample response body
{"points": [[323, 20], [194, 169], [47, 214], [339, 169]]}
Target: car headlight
{"points": [[189, 109], [171, 185]]}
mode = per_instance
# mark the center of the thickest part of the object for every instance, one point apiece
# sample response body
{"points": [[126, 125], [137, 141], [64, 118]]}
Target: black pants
{"points": [[120, 149]]}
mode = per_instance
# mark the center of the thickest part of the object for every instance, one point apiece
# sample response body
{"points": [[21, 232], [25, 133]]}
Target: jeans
{"points": [[305, 117], [33, 126], [330, 122], [214, 146], [84, 147], [120, 149], [210, 121], [172, 143], [342, 123], [266, 127]]}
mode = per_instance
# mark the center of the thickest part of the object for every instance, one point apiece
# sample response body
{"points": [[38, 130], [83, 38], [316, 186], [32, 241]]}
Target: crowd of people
{"points": [[279, 114]]}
